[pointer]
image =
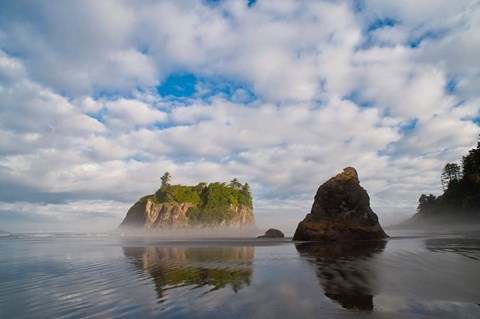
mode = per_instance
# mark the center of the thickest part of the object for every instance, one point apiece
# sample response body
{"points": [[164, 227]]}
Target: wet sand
{"points": [[412, 275]]}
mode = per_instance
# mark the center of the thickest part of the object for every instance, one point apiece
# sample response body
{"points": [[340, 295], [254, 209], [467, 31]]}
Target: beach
{"points": [[413, 274]]}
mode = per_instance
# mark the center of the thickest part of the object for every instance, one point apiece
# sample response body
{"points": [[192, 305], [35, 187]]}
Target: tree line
{"points": [[461, 187]]}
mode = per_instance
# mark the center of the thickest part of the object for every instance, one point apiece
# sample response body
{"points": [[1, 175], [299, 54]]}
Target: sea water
{"points": [[411, 275]]}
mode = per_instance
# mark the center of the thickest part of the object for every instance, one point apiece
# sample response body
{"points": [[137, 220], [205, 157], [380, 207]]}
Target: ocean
{"points": [[411, 275]]}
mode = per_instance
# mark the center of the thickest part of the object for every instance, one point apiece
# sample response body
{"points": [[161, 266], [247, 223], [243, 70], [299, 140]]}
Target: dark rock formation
{"points": [[150, 215], [272, 233], [341, 211]]}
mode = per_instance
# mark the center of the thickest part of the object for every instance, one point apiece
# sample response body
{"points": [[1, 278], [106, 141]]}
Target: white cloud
{"points": [[78, 47], [11, 69], [128, 113]]}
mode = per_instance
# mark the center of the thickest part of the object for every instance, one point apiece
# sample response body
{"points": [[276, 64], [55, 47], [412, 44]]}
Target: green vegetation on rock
{"points": [[461, 196], [211, 202]]}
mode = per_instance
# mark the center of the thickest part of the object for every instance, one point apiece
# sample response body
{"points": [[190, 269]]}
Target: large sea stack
{"points": [[340, 212], [203, 205]]}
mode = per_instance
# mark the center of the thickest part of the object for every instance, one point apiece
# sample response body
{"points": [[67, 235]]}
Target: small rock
{"points": [[272, 233]]}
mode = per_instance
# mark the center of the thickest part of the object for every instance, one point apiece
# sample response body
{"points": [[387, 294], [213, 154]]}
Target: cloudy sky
{"points": [[99, 98]]}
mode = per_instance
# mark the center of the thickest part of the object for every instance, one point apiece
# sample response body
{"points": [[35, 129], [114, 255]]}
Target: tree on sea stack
{"points": [[234, 183], [165, 180], [341, 211]]}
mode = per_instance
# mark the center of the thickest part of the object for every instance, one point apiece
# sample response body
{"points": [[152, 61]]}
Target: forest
{"points": [[461, 189]]}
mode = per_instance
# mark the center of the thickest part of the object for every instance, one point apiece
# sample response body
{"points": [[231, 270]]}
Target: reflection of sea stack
{"points": [[177, 267], [345, 270], [341, 211]]}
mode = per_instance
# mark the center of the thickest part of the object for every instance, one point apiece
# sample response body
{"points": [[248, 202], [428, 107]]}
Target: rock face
{"points": [[272, 233], [149, 215], [341, 211]]}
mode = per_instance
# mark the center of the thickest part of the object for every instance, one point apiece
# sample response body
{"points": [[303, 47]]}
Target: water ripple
{"points": [[102, 277]]}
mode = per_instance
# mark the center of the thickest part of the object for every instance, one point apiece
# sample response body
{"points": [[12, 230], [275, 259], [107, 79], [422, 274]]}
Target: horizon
{"points": [[100, 98]]}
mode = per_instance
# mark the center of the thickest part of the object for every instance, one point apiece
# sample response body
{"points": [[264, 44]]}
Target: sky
{"points": [[99, 98]]}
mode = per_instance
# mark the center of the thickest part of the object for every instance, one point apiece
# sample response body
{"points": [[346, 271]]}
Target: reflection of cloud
{"points": [[345, 270], [426, 308], [214, 267]]}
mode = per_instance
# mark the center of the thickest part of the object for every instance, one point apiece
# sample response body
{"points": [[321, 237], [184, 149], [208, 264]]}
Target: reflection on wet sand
{"points": [[174, 267], [467, 247], [345, 270]]}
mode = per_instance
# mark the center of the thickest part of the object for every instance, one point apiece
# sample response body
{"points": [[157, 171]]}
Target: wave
{"points": [[58, 235]]}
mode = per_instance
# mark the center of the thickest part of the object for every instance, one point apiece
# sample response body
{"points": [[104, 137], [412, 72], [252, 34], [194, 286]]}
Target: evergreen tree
{"points": [[165, 180], [426, 203], [471, 165], [451, 174], [234, 183]]}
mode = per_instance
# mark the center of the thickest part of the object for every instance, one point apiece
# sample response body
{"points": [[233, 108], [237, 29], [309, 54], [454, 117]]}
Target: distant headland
{"points": [[179, 206], [460, 201]]}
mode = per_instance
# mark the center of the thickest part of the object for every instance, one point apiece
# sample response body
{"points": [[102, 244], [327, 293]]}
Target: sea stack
{"points": [[340, 212], [195, 206]]}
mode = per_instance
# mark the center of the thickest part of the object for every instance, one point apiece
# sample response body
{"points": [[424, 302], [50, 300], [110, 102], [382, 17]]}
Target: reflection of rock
{"points": [[272, 233], [341, 211], [173, 267], [345, 270]]}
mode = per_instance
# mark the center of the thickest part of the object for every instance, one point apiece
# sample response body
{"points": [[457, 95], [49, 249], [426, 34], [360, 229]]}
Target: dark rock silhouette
{"points": [[341, 211], [345, 270], [273, 233]]}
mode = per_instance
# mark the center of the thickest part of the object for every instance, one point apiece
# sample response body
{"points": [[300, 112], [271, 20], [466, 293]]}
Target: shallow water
{"points": [[87, 276]]}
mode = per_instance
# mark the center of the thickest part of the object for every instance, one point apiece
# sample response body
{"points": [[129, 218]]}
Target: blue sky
{"points": [[99, 98]]}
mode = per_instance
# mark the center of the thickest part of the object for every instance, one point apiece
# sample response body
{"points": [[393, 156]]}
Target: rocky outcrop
{"points": [[341, 211], [148, 215], [273, 233], [243, 217]]}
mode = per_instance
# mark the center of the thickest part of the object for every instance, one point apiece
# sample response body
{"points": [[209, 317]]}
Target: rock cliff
{"points": [[341, 211], [150, 215]]}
